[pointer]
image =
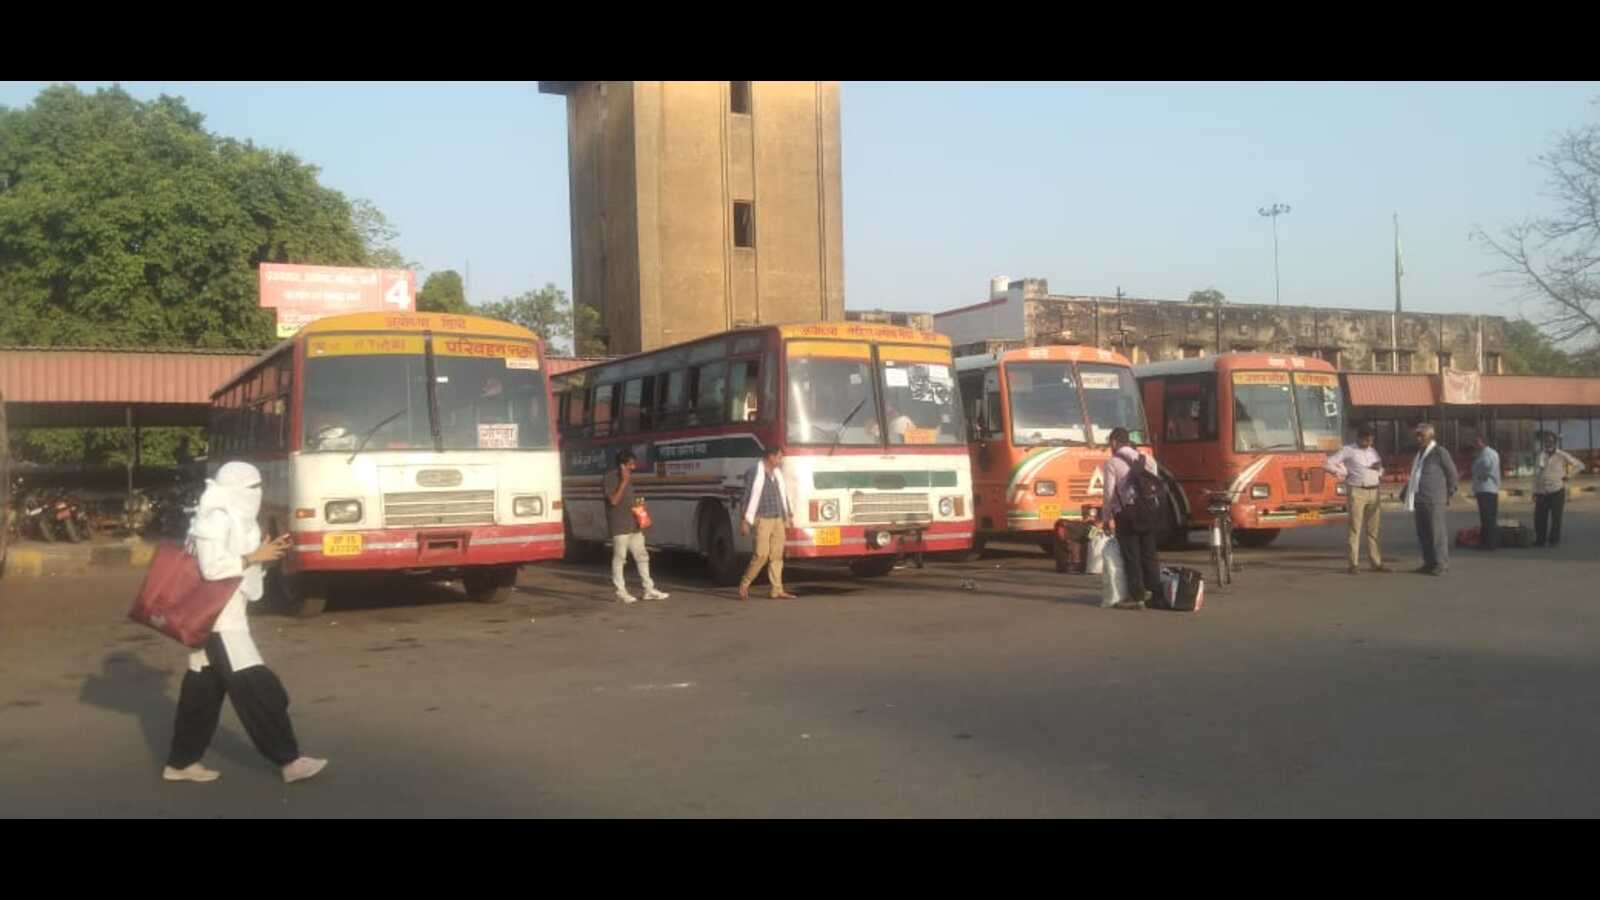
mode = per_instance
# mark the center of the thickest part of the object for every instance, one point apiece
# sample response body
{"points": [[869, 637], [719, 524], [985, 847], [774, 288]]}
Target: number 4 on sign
{"points": [[398, 294]]}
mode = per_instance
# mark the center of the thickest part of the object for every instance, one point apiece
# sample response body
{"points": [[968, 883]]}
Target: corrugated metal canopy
{"points": [[1540, 390], [1384, 389], [70, 387]]}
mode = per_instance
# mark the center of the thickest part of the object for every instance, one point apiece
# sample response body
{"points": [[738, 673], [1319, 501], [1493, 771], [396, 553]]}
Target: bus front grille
{"points": [[421, 509], [872, 508]]}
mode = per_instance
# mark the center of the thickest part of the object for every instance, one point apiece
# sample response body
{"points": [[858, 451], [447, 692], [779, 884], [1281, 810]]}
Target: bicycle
{"points": [[1220, 505]]}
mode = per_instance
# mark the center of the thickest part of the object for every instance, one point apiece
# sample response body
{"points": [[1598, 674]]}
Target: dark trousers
{"points": [[1139, 554], [1488, 520], [1431, 535], [258, 698], [1547, 510]]}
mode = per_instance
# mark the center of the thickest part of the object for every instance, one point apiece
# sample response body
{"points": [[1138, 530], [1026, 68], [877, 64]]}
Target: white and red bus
{"points": [[1256, 426], [413, 443], [868, 416]]}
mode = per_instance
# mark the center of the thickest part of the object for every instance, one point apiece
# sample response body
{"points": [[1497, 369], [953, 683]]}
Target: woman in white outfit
{"points": [[226, 540]]}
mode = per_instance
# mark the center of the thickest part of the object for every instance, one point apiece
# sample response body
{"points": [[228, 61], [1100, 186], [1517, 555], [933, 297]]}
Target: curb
{"points": [[27, 562]]}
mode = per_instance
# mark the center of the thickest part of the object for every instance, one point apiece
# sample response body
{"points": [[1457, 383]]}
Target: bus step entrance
{"points": [[436, 548]]}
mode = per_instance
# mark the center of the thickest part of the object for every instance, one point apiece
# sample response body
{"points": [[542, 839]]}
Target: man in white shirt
{"points": [[1360, 466], [1551, 470]]}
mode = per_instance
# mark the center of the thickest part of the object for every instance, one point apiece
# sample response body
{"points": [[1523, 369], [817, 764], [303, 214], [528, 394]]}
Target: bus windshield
{"points": [[1263, 412], [1112, 395], [490, 395], [919, 397], [1320, 405], [1044, 404], [832, 394]]}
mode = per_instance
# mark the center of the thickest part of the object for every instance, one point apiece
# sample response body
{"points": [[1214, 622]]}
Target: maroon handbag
{"points": [[177, 601]]}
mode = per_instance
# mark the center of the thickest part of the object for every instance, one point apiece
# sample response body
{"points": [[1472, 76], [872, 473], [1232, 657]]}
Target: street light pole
{"points": [[1273, 212]]}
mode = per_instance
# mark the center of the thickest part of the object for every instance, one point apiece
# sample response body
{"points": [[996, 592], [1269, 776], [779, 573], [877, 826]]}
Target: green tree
{"points": [[1529, 351], [586, 322], [1209, 295], [127, 223], [546, 312], [377, 236], [443, 292]]}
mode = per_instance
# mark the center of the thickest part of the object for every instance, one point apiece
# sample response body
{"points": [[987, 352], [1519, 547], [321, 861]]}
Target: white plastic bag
{"points": [[1097, 550], [1113, 586]]}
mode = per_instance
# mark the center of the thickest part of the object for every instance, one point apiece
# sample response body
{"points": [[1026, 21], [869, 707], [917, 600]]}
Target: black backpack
{"points": [[1147, 492]]}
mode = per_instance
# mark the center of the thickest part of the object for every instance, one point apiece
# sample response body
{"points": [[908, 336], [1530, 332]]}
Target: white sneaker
{"points": [[627, 598], [194, 772], [654, 594], [302, 768]]}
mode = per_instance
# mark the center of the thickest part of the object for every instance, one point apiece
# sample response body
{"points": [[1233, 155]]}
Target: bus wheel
{"points": [[1255, 538], [494, 585], [872, 566], [1061, 551], [975, 552], [70, 530], [722, 557]]}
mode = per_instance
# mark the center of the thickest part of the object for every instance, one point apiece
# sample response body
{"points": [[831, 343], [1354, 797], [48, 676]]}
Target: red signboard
{"points": [[303, 294]]}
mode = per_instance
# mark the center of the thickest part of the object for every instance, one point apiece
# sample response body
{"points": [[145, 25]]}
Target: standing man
{"points": [[625, 534], [1486, 488], [1361, 467], [1551, 470], [1138, 546], [766, 506], [1433, 481]]}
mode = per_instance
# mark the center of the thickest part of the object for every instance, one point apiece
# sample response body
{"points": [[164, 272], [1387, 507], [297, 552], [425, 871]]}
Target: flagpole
{"points": [[1394, 317]]}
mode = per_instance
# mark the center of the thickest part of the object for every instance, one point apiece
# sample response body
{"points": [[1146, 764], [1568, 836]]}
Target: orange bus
{"points": [[1254, 425], [1040, 417]]}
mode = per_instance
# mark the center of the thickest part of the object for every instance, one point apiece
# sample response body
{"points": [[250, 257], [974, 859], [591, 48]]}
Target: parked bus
{"points": [[1254, 425], [875, 457], [1040, 420], [411, 443]]}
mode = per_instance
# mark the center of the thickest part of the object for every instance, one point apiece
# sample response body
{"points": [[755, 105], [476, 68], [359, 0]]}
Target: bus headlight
{"points": [[1044, 488], [1260, 491], [528, 506], [342, 512], [947, 507], [824, 510]]}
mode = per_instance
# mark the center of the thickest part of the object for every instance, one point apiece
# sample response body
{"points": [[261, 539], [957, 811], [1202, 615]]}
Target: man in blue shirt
{"points": [[1486, 487]]}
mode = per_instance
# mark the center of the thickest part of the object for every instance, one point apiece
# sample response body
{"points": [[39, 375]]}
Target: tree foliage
{"points": [[125, 222], [443, 292], [546, 312], [1530, 351], [1209, 295], [1554, 260]]}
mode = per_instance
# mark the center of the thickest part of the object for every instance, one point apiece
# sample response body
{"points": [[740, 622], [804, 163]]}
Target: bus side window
{"points": [[746, 390], [993, 411], [1189, 406], [632, 393], [710, 390], [604, 403], [972, 399]]}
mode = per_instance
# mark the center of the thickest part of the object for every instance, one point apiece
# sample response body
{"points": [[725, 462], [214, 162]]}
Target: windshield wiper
{"points": [[839, 435], [362, 444]]}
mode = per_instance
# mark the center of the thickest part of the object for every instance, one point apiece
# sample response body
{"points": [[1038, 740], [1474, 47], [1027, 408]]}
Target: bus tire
{"points": [[301, 596], [491, 585], [971, 554], [872, 566], [1255, 538], [722, 555], [70, 530], [1061, 553]]}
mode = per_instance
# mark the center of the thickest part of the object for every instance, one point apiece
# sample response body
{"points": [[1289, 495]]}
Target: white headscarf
{"points": [[227, 515]]}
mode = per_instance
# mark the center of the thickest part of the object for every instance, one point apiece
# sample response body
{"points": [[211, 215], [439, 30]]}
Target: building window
{"points": [[744, 224], [739, 97], [1444, 361], [1491, 363], [1193, 351]]}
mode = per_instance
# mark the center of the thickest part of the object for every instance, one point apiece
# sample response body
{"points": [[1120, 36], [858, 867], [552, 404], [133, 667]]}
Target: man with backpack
{"points": [[1132, 513]]}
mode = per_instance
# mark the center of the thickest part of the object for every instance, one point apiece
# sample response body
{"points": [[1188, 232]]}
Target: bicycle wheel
{"points": [[1217, 558]]}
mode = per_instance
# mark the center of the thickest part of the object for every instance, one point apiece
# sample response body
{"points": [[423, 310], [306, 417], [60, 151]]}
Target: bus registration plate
{"points": [[341, 545], [1049, 512], [827, 537], [1310, 515]]}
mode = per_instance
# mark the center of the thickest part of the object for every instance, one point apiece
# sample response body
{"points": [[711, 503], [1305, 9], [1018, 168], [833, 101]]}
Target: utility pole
{"points": [[1273, 212]]}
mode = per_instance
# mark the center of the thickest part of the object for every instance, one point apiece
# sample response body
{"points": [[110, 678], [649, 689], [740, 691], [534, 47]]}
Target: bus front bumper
{"points": [[868, 540], [393, 550]]}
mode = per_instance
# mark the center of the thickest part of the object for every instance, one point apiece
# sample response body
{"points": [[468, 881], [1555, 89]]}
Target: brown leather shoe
{"points": [[1380, 567], [1353, 570]]}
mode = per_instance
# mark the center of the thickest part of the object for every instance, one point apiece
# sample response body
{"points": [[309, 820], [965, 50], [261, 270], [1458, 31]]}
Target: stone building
{"points": [[1148, 330], [701, 205], [917, 320]]}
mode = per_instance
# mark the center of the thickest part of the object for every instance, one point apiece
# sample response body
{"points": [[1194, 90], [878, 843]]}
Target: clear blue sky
{"points": [[1151, 187]]}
